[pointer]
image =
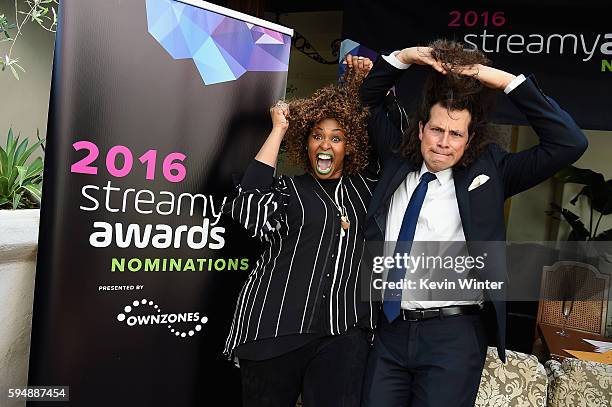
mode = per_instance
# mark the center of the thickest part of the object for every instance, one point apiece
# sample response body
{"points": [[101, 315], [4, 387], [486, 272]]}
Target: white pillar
{"points": [[18, 246]]}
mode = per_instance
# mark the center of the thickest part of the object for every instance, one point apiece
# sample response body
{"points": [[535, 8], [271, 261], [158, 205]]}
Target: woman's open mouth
{"points": [[324, 163]]}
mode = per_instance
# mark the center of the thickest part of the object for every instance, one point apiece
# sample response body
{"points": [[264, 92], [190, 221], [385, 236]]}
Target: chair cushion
{"points": [[520, 382], [577, 383]]}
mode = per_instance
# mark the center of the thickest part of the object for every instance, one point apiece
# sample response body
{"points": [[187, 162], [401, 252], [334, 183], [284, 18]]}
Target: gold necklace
{"points": [[344, 220]]}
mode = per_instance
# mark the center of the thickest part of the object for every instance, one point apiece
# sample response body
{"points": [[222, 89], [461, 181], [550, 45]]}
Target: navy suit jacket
{"points": [[561, 142]]}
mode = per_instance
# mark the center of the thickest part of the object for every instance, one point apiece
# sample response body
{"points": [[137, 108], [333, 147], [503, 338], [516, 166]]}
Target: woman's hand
{"points": [[280, 116], [268, 153], [361, 65], [490, 77]]}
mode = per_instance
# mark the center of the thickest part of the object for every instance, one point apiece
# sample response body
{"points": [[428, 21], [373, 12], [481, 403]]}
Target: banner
{"points": [[156, 105], [568, 48]]}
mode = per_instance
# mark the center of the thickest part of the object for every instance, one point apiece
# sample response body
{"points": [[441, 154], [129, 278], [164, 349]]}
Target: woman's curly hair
{"points": [[340, 102], [454, 92]]}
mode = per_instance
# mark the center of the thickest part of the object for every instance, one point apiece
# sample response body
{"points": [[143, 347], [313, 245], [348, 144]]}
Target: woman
{"points": [[300, 326]]}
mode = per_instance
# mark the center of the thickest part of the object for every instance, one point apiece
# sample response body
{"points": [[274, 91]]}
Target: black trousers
{"points": [[327, 372], [430, 363]]}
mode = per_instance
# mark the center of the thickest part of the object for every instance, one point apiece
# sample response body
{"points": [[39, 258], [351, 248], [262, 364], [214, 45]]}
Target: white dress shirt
{"points": [[439, 219]]}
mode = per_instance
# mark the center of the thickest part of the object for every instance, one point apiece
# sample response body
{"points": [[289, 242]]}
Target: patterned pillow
{"points": [[520, 382], [577, 383]]}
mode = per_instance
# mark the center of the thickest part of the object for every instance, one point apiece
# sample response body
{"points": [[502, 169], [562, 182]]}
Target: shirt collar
{"points": [[442, 176]]}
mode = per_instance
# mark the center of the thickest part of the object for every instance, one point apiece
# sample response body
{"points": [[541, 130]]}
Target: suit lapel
{"points": [[461, 179], [398, 177]]}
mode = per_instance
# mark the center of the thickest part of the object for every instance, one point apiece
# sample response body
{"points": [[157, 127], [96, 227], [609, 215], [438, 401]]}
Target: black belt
{"points": [[429, 313]]}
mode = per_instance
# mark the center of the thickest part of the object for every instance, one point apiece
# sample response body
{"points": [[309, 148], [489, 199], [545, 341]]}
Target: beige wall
{"points": [[25, 102]]}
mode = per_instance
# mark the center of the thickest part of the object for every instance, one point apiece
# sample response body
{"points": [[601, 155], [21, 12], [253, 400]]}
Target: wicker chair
{"points": [[589, 312]]}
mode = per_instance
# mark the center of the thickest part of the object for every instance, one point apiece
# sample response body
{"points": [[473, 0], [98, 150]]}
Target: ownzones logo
{"points": [[153, 315]]}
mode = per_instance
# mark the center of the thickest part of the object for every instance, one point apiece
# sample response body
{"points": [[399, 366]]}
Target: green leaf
{"points": [[3, 162], [579, 231], [11, 146], [35, 168], [599, 196], [606, 235], [21, 177], [17, 200], [19, 66], [596, 189], [9, 139], [35, 191], [4, 186], [15, 74], [575, 175], [42, 146], [22, 159], [11, 176], [19, 151]]}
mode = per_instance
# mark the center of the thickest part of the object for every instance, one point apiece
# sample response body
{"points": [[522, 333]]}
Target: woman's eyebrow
{"points": [[319, 128]]}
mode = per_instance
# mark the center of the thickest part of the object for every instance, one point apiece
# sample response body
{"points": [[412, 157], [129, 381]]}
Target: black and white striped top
{"points": [[307, 279]]}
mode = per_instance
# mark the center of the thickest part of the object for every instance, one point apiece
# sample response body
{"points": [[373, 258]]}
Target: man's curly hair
{"points": [[339, 102], [454, 92]]}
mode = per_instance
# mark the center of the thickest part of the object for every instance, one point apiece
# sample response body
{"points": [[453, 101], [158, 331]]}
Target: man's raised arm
{"points": [[561, 142], [384, 135]]}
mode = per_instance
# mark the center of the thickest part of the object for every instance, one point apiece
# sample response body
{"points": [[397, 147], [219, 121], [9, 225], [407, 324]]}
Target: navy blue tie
{"points": [[393, 298]]}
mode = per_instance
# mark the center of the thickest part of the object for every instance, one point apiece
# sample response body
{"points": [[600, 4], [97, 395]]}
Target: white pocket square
{"points": [[478, 181]]}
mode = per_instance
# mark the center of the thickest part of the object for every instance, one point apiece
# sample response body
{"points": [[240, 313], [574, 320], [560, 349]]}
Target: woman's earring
{"points": [[306, 148]]}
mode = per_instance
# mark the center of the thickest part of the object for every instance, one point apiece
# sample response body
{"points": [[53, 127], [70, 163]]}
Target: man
{"points": [[445, 182]]}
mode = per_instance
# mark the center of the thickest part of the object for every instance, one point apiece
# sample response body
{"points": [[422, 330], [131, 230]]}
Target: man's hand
{"points": [[419, 56], [487, 75], [361, 65]]}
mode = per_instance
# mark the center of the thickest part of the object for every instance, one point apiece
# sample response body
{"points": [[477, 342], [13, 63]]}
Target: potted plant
{"points": [[20, 191], [20, 183], [597, 192]]}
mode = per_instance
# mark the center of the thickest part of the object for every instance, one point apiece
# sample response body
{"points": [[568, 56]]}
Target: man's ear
{"points": [[420, 130]]}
